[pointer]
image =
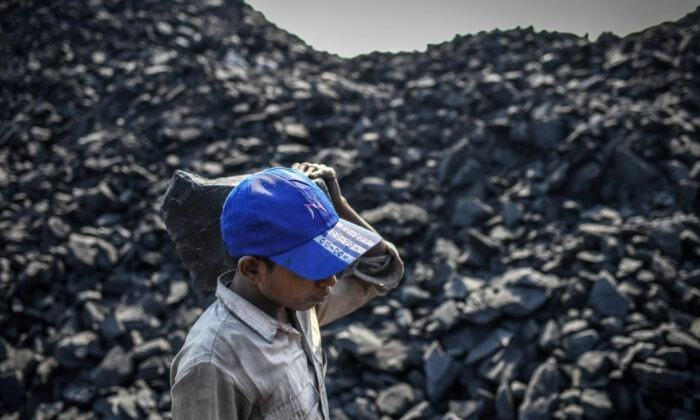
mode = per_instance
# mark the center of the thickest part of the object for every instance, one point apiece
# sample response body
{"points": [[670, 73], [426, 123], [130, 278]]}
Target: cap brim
{"points": [[328, 253]]}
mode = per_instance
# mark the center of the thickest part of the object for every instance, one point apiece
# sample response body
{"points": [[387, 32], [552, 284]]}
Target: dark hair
{"points": [[268, 262]]}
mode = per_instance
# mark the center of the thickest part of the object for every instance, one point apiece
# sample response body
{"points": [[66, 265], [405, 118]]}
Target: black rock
{"points": [[440, 371], [542, 392], [596, 404], [190, 208], [488, 345], [422, 410], [505, 408], [13, 383], [606, 299], [72, 351], [471, 212], [79, 392], [116, 368], [657, 378], [580, 342]]}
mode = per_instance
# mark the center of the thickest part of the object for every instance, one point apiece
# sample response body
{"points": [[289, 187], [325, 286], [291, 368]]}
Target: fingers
{"points": [[315, 170]]}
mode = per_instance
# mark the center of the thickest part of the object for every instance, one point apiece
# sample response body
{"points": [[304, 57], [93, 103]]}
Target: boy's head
{"points": [[281, 214]]}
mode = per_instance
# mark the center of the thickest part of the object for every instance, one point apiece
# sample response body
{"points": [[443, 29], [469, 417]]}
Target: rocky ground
{"points": [[542, 188]]}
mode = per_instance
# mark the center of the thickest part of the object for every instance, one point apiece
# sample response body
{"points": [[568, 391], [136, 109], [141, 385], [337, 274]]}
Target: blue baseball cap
{"points": [[281, 214]]}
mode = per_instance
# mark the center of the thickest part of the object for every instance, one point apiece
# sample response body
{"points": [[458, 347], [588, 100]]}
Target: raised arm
{"points": [[341, 205], [379, 270]]}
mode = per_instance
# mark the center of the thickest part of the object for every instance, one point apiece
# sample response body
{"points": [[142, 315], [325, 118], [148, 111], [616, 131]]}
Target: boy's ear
{"points": [[249, 268]]}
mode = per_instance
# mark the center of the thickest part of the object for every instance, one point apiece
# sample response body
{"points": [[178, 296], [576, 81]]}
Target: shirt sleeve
{"points": [[205, 393], [362, 281]]}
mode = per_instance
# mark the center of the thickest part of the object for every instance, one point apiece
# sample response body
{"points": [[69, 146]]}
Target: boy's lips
{"points": [[321, 298]]}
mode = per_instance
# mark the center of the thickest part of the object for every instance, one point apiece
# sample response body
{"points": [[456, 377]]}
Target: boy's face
{"points": [[292, 291]]}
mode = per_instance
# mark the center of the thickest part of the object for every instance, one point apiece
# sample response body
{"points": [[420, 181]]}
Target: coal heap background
{"points": [[542, 188]]}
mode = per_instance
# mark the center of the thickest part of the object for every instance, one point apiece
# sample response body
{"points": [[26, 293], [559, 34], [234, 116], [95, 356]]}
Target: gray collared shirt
{"points": [[238, 362]]}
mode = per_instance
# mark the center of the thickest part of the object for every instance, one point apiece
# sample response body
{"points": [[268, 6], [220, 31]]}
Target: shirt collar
{"points": [[255, 318]]}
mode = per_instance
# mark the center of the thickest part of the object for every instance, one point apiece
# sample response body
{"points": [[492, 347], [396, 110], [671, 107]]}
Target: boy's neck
{"points": [[247, 291]]}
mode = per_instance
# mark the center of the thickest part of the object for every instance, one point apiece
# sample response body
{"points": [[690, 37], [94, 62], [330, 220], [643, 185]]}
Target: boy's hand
{"points": [[318, 170], [342, 207]]}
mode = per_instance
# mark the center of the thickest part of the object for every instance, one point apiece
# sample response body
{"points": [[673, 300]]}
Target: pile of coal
{"points": [[542, 189]]}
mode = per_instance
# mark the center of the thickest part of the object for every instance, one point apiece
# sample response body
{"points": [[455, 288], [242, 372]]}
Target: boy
{"points": [[303, 262]]}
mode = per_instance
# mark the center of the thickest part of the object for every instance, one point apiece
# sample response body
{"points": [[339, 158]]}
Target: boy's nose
{"points": [[327, 282]]}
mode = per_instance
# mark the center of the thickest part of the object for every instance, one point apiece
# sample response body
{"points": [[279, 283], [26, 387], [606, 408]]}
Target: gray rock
{"points": [[663, 269], [358, 340], [116, 368], [504, 365], [470, 212], [412, 296], [675, 357], [177, 292], [512, 213], [627, 267], [455, 288], [422, 410], [401, 219], [395, 400], [634, 170], [111, 327], [573, 326], [72, 351], [520, 301], [505, 408], [442, 274], [478, 307], [485, 244], [594, 363], [468, 173], [667, 236], [123, 405], [135, 317], [91, 253], [658, 378], [153, 347], [465, 410], [638, 351], [542, 391], [361, 408], [78, 393], [585, 176], [444, 317], [547, 126], [570, 412], [550, 336], [153, 368], [606, 299], [490, 344], [596, 404], [440, 371], [577, 344], [682, 339], [391, 357], [695, 328], [518, 292], [527, 277]]}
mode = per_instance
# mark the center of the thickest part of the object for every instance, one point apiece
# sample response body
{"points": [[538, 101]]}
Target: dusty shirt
{"points": [[238, 362]]}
